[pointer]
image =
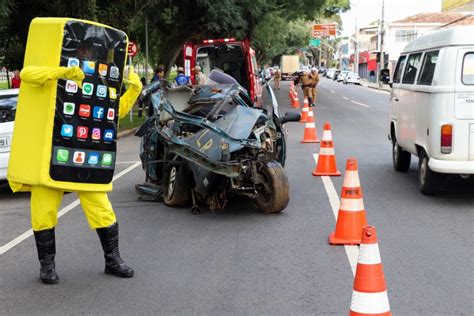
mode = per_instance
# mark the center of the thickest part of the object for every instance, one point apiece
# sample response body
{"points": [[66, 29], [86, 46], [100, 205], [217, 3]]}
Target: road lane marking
{"points": [[62, 212], [126, 162], [361, 104], [352, 252], [332, 91], [345, 98]]}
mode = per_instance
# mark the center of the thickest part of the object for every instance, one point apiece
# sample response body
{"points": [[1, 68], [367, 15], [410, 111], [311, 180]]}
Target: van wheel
{"points": [[428, 180], [401, 158]]}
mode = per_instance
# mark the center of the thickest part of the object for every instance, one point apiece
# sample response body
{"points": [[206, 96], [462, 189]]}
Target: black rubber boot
{"points": [[109, 239], [46, 246]]}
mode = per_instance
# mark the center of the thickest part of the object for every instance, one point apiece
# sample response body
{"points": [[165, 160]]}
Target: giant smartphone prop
{"points": [[85, 122]]}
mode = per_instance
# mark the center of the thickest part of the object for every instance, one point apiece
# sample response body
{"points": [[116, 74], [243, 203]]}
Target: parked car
{"points": [[351, 77], [432, 107], [330, 73], [335, 75], [8, 103], [209, 144], [342, 75], [235, 58], [322, 70]]}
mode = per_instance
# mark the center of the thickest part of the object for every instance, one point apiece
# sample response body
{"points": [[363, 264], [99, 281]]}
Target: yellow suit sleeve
{"points": [[128, 99], [37, 76]]}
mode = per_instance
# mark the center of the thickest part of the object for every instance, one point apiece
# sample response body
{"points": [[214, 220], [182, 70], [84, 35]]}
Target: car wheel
{"points": [[428, 180], [176, 185], [401, 158], [273, 191]]}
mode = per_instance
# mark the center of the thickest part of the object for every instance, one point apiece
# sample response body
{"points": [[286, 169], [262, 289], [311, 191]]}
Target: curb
{"points": [[377, 88], [126, 133]]}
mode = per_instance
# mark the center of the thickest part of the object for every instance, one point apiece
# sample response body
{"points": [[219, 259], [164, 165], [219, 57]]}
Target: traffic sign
{"points": [[132, 49], [316, 42], [324, 30]]}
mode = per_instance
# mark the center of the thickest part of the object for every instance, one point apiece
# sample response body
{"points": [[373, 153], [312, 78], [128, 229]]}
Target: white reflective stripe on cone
{"points": [[369, 254], [351, 179], [370, 303], [310, 113], [327, 135], [310, 125], [351, 205], [326, 151], [305, 109]]}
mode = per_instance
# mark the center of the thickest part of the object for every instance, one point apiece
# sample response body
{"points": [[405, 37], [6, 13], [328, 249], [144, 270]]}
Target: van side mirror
{"points": [[290, 117], [390, 84]]}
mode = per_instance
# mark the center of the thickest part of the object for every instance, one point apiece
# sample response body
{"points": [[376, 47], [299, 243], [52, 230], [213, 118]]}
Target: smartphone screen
{"points": [[85, 122]]}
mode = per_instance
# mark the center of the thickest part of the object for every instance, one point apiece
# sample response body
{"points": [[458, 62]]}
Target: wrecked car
{"points": [[208, 143]]}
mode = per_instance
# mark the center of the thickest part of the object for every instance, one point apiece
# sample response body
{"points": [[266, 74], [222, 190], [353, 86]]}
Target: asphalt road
{"points": [[242, 262]]}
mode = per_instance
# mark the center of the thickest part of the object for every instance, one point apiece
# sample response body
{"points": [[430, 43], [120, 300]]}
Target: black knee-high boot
{"points": [[109, 239], [46, 246]]}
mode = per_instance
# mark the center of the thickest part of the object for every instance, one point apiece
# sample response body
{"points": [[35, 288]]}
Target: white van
{"points": [[8, 103], [432, 106]]}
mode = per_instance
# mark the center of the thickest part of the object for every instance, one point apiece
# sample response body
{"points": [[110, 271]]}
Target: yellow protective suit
{"points": [[31, 148]]}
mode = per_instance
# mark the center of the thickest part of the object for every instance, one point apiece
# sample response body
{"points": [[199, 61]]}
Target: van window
{"points": [[468, 69], [398, 70], [428, 68], [412, 66]]}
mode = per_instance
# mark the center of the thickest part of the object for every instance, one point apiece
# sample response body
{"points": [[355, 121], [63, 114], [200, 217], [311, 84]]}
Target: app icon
{"points": [[103, 69], [114, 72], [101, 91], [69, 108], [87, 88], [98, 112], [96, 133], [108, 135], [71, 62], [82, 132], [112, 93], [62, 155], [111, 114], [85, 110], [107, 159], [88, 67], [71, 86], [79, 157], [67, 130], [93, 159]]}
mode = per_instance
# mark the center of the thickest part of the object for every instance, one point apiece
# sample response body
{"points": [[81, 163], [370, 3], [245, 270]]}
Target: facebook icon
{"points": [[98, 112]]}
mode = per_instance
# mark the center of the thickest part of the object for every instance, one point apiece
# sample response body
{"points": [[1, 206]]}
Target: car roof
{"points": [[9, 92], [455, 36]]}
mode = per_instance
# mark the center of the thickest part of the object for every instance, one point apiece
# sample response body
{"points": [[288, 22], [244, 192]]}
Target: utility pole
{"points": [[382, 59], [356, 50], [146, 49]]}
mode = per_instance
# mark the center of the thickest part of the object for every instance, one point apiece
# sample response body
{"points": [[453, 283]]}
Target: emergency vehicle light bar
{"points": [[220, 40]]}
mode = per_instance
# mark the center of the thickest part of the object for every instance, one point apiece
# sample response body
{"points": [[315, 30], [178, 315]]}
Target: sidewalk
{"points": [[374, 85]]}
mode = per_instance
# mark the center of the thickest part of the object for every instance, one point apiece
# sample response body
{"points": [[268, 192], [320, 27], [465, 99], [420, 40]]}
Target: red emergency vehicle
{"points": [[235, 58]]}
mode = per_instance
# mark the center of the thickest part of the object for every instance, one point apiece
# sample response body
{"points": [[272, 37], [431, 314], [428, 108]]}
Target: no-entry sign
{"points": [[132, 49]]}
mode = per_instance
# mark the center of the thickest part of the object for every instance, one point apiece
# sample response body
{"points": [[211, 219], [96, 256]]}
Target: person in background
{"points": [[16, 81], [199, 77], [306, 83], [277, 78], [181, 79], [314, 82], [159, 73]]}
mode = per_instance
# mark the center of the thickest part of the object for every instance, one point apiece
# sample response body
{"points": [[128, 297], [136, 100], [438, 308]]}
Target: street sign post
{"points": [[315, 42], [324, 30]]}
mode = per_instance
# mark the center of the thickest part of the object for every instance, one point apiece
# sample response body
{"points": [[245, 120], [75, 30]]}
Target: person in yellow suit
{"points": [[35, 113]]}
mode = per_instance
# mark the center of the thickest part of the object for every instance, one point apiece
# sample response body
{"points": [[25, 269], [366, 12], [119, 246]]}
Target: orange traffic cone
{"points": [[369, 296], [295, 102], [327, 160], [304, 114], [310, 133], [351, 217]]}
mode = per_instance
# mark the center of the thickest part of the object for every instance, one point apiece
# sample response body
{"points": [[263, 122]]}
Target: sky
{"points": [[366, 11]]}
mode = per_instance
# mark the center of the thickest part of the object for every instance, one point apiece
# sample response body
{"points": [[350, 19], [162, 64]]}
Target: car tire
{"points": [[401, 158], [274, 194], [428, 180], [176, 185]]}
